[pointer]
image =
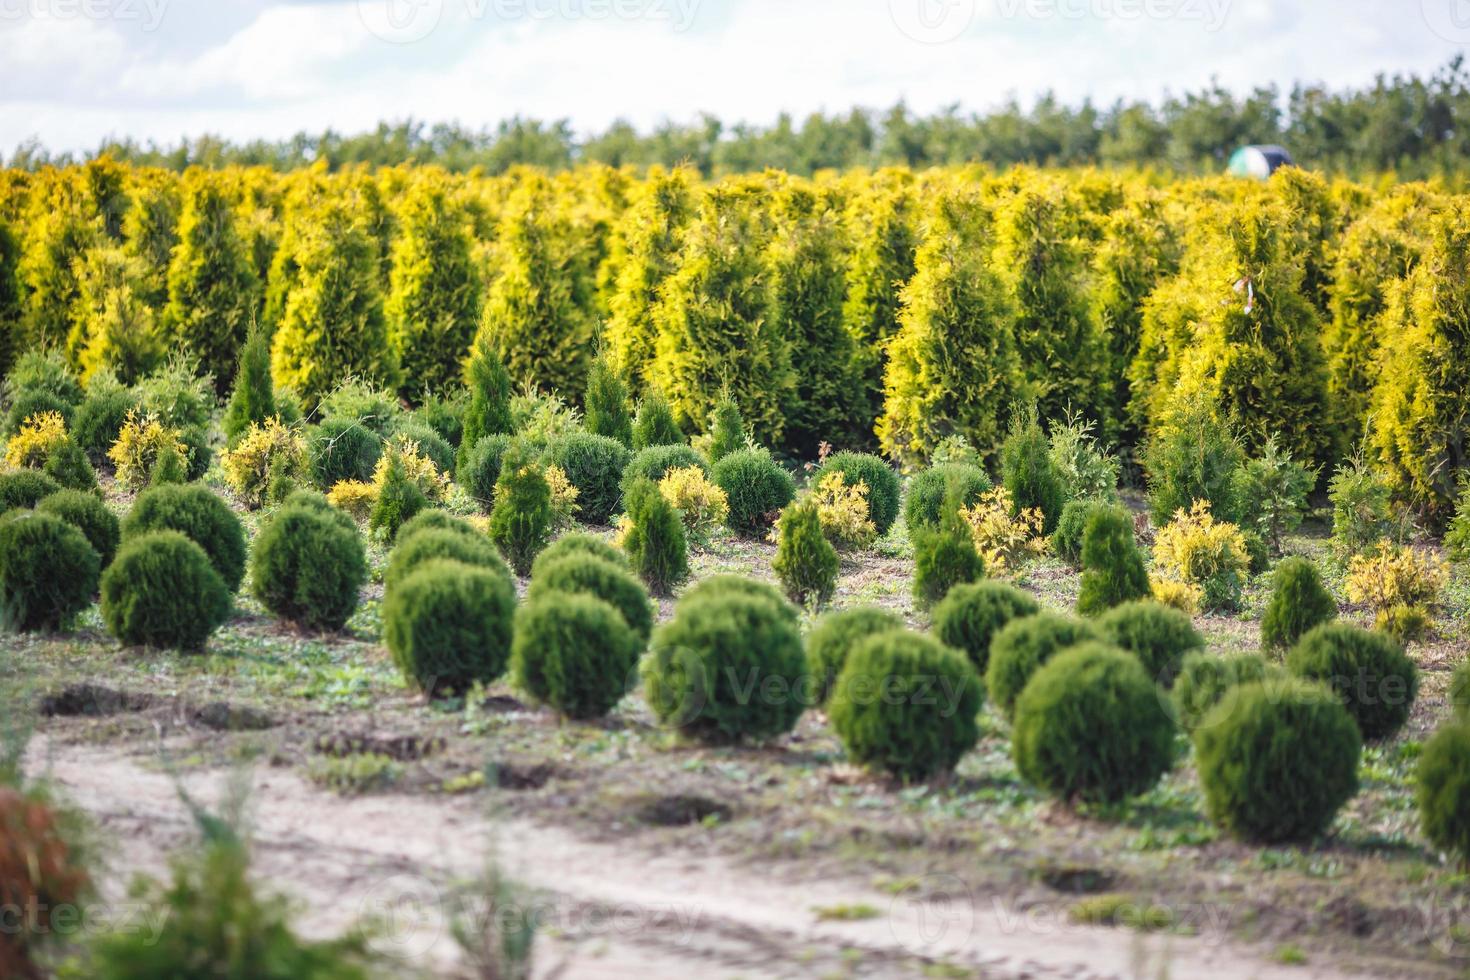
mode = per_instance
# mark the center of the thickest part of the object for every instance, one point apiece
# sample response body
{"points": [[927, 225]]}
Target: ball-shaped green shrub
{"points": [[1443, 789], [87, 513], [574, 652], [1299, 602], [757, 488], [33, 402], [318, 502], [579, 543], [657, 548], [739, 585], [479, 468], [436, 519], [833, 638], [928, 490], [69, 466], [805, 562], [24, 489], [1160, 637], [1066, 540], [99, 419], [1112, 565], [308, 568], [163, 591], [1206, 679], [1368, 670], [654, 463], [449, 625], [653, 423], [612, 583], [727, 666], [1460, 690], [1028, 472], [432, 543], [342, 449], [1277, 761], [943, 559], [430, 443], [48, 572], [594, 465], [1022, 646], [880, 478], [199, 515], [905, 704], [1090, 726], [970, 616]]}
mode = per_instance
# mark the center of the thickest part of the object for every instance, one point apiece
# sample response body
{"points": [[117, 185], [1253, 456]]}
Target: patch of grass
{"points": [[856, 912], [1290, 955], [354, 775], [1115, 910]]}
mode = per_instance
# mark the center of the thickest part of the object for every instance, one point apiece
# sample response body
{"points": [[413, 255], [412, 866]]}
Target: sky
{"points": [[75, 72]]}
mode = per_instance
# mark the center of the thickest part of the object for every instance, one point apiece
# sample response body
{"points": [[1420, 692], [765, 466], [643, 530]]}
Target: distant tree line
{"points": [[1416, 127]]}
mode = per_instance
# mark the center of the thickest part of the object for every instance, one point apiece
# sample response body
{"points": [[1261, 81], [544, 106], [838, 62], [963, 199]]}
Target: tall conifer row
{"points": [[713, 321], [537, 309], [11, 300], [952, 366], [434, 294], [650, 234], [806, 260], [60, 226], [212, 287], [150, 230]]}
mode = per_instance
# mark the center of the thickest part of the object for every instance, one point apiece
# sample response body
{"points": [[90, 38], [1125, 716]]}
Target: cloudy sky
{"points": [[73, 72]]}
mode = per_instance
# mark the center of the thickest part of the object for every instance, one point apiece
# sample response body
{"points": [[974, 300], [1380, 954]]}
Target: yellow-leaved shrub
{"points": [[1196, 549]]}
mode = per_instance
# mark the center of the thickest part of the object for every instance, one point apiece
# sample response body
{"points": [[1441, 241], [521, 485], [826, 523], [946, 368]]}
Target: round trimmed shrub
{"points": [[24, 489], [574, 652], [905, 704], [1206, 679], [1278, 761], [99, 419], [33, 402], [943, 560], [594, 465], [739, 585], [653, 423], [1090, 726], [1460, 690], [449, 625], [87, 513], [163, 591], [1160, 637], [928, 490], [1112, 565], [1066, 540], [612, 583], [342, 449], [432, 543], [479, 470], [727, 666], [1022, 646], [199, 515], [969, 617], [308, 568], [579, 543], [311, 500], [833, 639], [48, 572], [881, 479], [436, 519], [757, 488], [655, 462], [805, 562], [430, 443], [1369, 671], [69, 466], [1443, 789], [1299, 602]]}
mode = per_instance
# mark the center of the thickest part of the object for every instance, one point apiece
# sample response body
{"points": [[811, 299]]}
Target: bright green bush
{"points": [[436, 519], [488, 413], [833, 639], [607, 412], [884, 231], [1299, 602], [1022, 646], [24, 489], [200, 516], [68, 465], [520, 521], [968, 618], [906, 705], [42, 369], [876, 475], [342, 449], [1206, 679], [1272, 490], [444, 413], [585, 574], [928, 489], [1066, 540], [1369, 671], [1192, 455], [430, 544], [429, 442], [654, 463], [399, 498], [594, 465], [1277, 762], [307, 567], [1442, 789], [727, 666], [1160, 637], [163, 591], [1090, 726], [1460, 690], [1112, 565], [479, 469], [449, 625], [87, 513], [579, 543], [726, 429], [48, 572], [1087, 470], [805, 562], [574, 652], [757, 489], [654, 538], [739, 585], [29, 403], [253, 398], [944, 558], [100, 417], [1027, 471]]}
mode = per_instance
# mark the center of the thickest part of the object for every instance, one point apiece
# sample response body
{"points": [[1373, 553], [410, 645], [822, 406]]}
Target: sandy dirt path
{"points": [[610, 910]]}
